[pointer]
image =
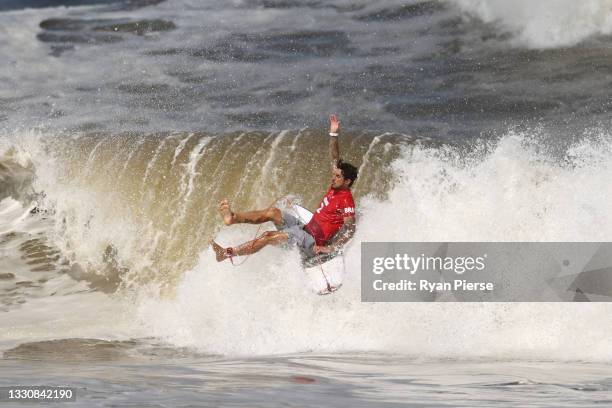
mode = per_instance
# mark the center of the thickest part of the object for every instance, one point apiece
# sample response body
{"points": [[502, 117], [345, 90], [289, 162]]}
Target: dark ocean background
{"points": [[448, 70]]}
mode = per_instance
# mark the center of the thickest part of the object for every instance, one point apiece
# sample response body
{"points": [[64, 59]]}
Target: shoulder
{"points": [[347, 197], [348, 203]]}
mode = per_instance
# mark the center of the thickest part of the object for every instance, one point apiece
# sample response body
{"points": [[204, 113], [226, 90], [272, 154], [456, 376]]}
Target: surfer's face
{"points": [[338, 180]]}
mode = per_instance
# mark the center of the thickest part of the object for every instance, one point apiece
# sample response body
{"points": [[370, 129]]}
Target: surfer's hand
{"points": [[334, 124], [323, 249]]}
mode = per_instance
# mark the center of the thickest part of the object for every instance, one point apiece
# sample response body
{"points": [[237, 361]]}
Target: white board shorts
{"points": [[298, 236]]}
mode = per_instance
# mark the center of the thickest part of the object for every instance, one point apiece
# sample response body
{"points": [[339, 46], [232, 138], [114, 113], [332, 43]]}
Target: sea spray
{"points": [[508, 191], [545, 23]]}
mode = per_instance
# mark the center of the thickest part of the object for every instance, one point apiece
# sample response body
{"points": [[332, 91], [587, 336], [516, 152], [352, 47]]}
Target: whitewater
{"points": [[434, 193], [123, 124]]}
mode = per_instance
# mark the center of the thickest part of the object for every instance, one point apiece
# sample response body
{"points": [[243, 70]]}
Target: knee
{"points": [[269, 235], [273, 237], [275, 215]]}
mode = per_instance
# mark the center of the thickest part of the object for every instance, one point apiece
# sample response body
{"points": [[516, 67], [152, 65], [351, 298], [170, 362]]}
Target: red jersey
{"points": [[327, 220]]}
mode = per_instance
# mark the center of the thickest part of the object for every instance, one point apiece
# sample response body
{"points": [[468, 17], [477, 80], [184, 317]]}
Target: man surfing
{"points": [[332, 225]]}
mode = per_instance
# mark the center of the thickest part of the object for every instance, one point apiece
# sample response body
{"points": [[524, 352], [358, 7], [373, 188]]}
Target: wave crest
{"points": [[545, 23]]}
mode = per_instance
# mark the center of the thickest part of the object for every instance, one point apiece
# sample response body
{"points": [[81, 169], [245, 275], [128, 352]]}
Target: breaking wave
{"points": [[544, 24], [138, 210]]}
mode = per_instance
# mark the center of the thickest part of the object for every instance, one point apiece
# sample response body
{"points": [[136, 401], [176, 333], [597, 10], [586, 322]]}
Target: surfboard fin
{"points": [[329, 290]]}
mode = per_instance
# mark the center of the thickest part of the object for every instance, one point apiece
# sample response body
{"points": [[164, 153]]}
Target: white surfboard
{"points": [[326, 278], [302, 213], [325, 271]]}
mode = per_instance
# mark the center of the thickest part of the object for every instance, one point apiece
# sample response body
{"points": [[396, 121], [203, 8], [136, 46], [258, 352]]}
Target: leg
{"points": [[250, 247], [249, 217]]}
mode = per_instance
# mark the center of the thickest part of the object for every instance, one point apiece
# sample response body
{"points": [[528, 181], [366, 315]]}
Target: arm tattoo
{"points": [[344, 234]]}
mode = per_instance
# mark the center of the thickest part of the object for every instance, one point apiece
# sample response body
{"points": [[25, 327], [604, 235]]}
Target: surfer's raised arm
{"points": [[326, 231], [334, 151]]}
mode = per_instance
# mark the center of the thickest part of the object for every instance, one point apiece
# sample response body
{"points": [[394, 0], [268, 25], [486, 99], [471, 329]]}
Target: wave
{"points": [[153, 198], [547, 23], [138, 208], [112, 4], [16, 175], [506, 191]]}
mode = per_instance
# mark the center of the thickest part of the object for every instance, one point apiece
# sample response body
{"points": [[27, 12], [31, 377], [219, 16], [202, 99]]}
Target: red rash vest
{"points": [[329, 218]]}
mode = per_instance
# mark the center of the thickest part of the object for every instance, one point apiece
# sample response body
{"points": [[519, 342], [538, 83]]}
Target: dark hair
{"points": [[348, 171]]}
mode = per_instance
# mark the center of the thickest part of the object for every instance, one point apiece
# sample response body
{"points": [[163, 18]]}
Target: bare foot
{"points": [[220, 253], [226, 212]]}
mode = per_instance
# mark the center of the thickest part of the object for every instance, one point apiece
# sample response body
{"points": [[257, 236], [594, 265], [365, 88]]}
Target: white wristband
{"points": [[333, 134]]}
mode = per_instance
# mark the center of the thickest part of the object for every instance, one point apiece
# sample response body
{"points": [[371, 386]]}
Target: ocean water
{"points": [[124, 123]]}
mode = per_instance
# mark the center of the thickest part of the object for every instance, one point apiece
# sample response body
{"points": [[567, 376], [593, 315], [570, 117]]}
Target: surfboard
{"points": [[302, 213], [325, 271], [326, 278]]}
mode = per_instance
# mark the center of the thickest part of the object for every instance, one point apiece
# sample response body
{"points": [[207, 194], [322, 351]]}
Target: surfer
{"points": [[332, 225]]}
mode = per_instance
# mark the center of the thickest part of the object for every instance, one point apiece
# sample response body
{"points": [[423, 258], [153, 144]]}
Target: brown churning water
{"points": [[166, 187]]}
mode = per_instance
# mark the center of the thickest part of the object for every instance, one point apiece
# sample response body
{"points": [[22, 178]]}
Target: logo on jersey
{"points": [[324, 204]]}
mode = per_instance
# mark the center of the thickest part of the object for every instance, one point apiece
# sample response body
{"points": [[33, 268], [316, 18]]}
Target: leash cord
{"points": [[231, 252]]}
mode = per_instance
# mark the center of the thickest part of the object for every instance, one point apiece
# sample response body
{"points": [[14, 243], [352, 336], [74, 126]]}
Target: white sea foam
{"points": [[507, 191], [545, 23], [78, 315], [62, 307], [512, 193]]}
